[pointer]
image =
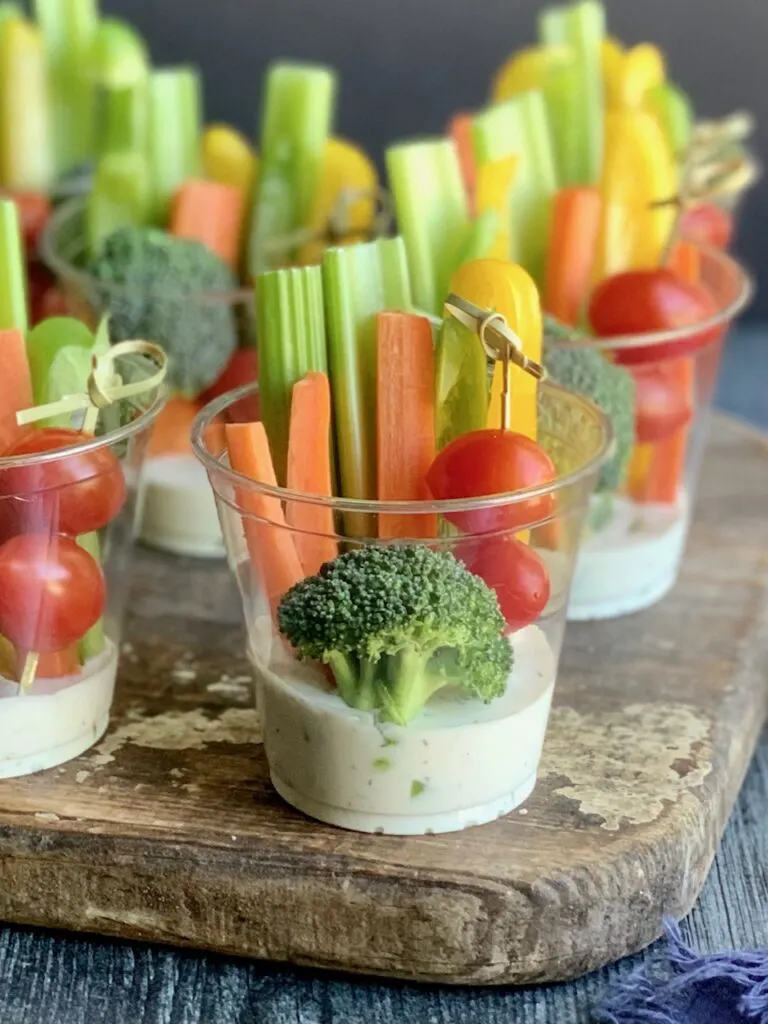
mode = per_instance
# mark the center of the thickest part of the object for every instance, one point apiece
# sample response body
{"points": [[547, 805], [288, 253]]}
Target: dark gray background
{"points": [[406, 65]]}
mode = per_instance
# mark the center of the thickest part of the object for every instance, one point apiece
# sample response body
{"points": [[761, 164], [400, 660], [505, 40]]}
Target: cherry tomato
{"points": [[514, 571], [643, 301], [51, 592], [243, 368], [83, 491], [662, 406], [486, 462], [708, 224], [34, 211]]}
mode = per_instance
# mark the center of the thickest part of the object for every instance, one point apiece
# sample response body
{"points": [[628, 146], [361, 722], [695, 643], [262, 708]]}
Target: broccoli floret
{"points": [[610, 387], [155, 288], [397, 623]]}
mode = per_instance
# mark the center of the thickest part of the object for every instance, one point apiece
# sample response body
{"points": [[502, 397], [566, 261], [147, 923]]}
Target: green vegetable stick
{"points": [[582, 26], [297, 118], [120, 67], [26, 139], [120, 197], [519, 127], [44, 343], [92, 644], [291, 342], [358, 282], [69, 28], [674, 111], [432, 215], [175, 124], [461, 382], [562, 100], [13, 271]]}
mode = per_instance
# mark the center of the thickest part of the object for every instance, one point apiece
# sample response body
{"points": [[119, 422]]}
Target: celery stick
{"points": [[297, 119], [582, 27], [520, 128], [92, 644], [358, 282], [432, 215], [291, 342], [674, 111], [13, 272], [10, 10], [120, 67], [69, 28], [26, 139], [175, 126], [562, 99], [120, 197], [478, 241]]}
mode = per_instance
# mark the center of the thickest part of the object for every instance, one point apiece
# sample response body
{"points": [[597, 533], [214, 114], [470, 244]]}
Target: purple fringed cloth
{"points": [[721, 988]]}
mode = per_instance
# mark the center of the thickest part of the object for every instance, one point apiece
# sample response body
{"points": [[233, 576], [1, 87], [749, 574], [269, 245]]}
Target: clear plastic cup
{"points": [[66, 529], [459, 761], [636, 534], [179, 513]]}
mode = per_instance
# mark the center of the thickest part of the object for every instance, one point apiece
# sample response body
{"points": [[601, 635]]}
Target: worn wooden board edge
{"points": [[470, 917]]}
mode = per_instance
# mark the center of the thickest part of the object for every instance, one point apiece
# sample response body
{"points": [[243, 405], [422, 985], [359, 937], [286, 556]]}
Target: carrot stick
{"points": [[460, 131], [665, 461], [270, 545], [405, 419], [15, 385], [171, 431], [309, 470], [211, 213], [573, 239], [685, 260]]}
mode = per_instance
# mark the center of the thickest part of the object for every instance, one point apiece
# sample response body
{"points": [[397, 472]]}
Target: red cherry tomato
{"points": [[242, 369], [708, 224], [34, 211], [514, 571], [83, 492], [662, 406], [643, 301], [51, 592], [486, 462]]}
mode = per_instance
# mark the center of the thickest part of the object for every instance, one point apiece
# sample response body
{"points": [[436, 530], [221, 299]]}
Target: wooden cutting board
{"points": [[169, 831]]}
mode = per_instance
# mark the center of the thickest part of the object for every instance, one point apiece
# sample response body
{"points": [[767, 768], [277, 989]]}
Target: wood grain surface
{"points": [[170, 831]]}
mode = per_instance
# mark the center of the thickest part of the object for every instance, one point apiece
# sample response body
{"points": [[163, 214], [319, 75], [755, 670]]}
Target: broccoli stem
{"points": [[355, 679], [408, 684]]}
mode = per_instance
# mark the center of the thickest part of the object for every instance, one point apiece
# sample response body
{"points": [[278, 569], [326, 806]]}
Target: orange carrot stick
{"points": [[211, 213], [460, 131], [270, 545], [572, 246], [309, 471], [171, 430], [666, 470], [405, 421], [15, 385], [685, 260]]}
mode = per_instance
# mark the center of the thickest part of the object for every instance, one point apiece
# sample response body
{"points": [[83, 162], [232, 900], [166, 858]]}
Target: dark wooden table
{"points": [[58, 979]]}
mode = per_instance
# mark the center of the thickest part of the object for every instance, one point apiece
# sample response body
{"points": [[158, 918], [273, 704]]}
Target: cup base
{"points": [[625, 604], [178, 509], [406, 825], [45, 759]]}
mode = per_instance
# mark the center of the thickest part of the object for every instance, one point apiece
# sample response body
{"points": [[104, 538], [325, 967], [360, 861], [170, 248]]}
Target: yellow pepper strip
{"points": [[493, 186], [630, 76], [639, 171], [612, 57], [639, 467], [228, 157], [506, 288], [526, 70], [345, 167], [7, 659]]}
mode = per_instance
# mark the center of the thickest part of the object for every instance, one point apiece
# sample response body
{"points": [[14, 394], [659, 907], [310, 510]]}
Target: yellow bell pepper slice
{"points": [[229, 158], [639, 170], [528, 69], [493, 187], [508, 289], [631, 75], [612, 58], [345, 167]]}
